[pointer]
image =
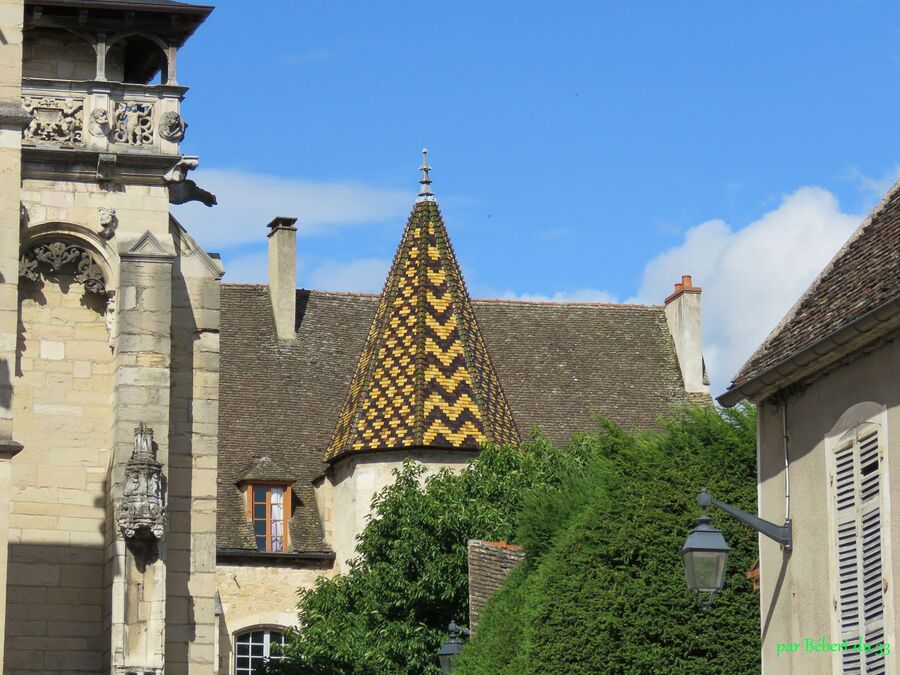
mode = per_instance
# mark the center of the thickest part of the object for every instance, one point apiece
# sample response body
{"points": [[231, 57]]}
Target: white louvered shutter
{"points": [[857, 481]]}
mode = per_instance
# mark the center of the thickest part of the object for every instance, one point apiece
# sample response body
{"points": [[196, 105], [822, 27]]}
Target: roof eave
{"points": [[335, 458], [179, 8], [867, 328], [225, 554]]}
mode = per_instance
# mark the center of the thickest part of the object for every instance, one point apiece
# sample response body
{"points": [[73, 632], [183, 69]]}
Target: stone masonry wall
{"points": [[193, 439], [11, 20], [260, 594], [63, 388], [44, 48]]}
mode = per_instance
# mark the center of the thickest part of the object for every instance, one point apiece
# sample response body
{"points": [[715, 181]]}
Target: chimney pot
{"points": [[686, 281], [281, 223]]}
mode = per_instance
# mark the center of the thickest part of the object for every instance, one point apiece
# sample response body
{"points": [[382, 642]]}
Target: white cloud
{"points": [[248, 201], [751, 277], [366, 275]]}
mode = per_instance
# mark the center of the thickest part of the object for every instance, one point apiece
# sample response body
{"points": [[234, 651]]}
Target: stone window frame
{"points": [[287, 512], [254, 660]]}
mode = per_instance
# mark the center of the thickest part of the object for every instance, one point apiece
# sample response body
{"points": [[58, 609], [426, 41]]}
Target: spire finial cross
{"points": [[425, 193]]}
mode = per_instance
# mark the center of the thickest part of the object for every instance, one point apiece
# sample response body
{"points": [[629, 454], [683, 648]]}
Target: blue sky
{"points": [[581, 150]]}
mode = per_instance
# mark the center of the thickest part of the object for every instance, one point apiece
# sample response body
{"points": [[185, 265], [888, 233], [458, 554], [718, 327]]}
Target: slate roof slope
{"points": [[424, 378], [560, 365], [862, 276]]}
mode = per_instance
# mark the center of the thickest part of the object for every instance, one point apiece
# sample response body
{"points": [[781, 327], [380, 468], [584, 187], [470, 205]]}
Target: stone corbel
{"points": [[106, 165], [141, 509], [9, 449]]}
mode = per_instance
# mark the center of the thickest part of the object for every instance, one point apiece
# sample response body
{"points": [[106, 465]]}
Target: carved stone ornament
{"points": [[108, 222], [57, 255], [141, 510], [172, 127], [54, 120], [100, 124], [134, 123]]}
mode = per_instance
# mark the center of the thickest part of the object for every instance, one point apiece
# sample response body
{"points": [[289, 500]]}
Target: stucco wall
{"points": [[796, 598], [354, 480]]}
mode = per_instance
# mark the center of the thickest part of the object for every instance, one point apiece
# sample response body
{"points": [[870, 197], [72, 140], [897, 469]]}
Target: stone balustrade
{"points": [[109, 117]]}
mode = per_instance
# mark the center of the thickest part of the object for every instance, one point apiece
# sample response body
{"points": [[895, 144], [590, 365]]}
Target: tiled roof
{"points": [[863, 276], [560, 365], [424, 378], [490, 562]]}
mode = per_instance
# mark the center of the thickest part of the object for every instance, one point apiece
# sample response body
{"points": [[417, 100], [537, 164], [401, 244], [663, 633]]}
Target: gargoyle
{"points": [[188, 191]]}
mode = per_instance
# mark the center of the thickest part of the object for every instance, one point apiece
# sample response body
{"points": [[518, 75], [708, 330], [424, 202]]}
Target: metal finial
{"points": [[425, 194]]}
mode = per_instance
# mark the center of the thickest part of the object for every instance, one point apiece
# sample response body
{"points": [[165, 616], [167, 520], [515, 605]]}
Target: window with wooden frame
{"points": [[269, 509]]}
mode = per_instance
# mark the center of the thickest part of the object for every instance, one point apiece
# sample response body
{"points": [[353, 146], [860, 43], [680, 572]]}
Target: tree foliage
{"points": [[390, 612], [602, 588]]}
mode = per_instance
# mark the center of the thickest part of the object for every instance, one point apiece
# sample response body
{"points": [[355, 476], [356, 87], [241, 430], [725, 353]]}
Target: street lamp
{"points": [[452, 647], [705, 553]]}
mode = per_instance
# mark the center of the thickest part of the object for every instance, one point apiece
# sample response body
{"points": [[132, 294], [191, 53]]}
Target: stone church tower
{"points": [[109, 318]]}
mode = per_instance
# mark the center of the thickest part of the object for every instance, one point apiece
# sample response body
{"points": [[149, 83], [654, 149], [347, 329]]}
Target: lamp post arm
{"points": [[781, 533]]}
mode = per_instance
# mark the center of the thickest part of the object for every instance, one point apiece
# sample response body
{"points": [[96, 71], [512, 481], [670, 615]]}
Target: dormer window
{"points": [[269, 509]]}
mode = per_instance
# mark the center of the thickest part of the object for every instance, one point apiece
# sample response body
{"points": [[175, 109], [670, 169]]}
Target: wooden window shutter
{"points": [[857, 502]]}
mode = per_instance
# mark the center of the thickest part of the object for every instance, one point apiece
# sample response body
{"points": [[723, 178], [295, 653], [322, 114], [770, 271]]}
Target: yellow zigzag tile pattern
{"points": [[424, 378]]}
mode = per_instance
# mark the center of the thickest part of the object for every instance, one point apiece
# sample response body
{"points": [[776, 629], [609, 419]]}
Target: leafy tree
{"points": [[602, 589], [390, 612]]}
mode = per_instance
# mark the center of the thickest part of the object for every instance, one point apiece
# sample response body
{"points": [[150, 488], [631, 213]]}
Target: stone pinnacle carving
{"points": [[141, 511]]}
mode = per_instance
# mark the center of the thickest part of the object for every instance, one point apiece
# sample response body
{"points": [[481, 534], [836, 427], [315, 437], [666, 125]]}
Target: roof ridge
{"points": [[516, 301], [568, 303]]}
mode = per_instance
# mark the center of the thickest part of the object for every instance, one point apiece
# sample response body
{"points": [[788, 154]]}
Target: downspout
{"points": [[787, 461]]}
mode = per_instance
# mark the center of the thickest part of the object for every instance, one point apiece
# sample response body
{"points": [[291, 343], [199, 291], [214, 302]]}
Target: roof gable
{"points": [[424, 378]]}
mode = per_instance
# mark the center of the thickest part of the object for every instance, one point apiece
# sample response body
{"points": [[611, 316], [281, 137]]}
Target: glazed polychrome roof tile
{"points": [[424, 378]]}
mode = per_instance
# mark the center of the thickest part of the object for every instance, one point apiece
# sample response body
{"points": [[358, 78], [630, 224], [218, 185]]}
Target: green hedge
{"points": [[603, 589]]}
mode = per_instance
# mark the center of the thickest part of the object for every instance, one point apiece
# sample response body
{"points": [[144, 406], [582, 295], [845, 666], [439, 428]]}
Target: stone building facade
{"points": [[178, 456], [110, 322]]}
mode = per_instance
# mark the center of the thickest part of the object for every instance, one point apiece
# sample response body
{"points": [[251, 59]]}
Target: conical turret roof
{"points": [[424, 378]]}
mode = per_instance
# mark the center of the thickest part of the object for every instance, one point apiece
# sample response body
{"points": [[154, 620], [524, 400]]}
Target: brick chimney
{"points": [[283, 275], [683, 317]]}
